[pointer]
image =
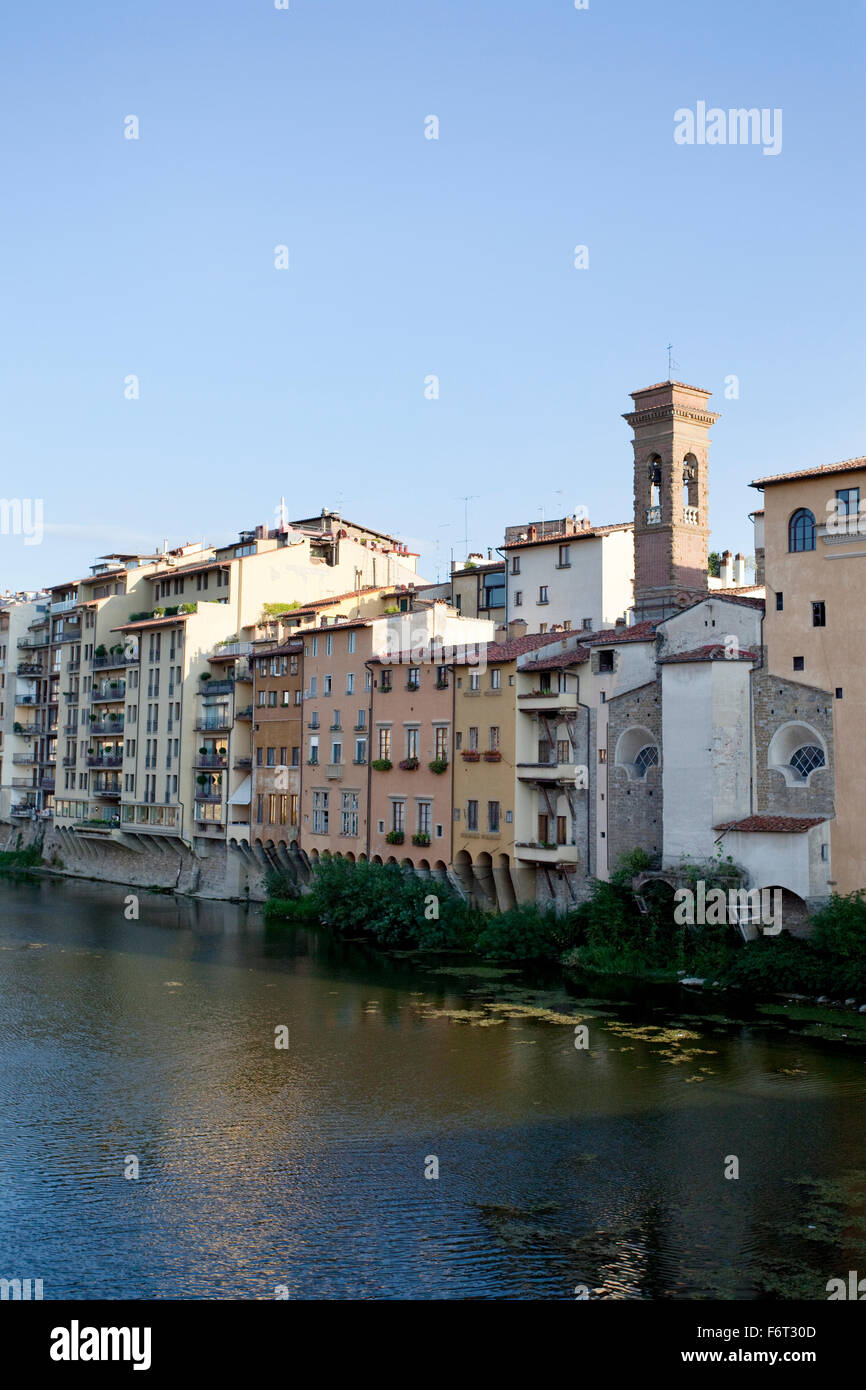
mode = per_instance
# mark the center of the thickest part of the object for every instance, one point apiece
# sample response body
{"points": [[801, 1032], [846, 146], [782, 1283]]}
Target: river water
{"points": [[304, 1169]]}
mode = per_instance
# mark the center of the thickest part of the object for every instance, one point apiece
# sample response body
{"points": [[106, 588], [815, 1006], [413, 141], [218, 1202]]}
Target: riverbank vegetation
{"points": [[17, 860], [611, 933]]}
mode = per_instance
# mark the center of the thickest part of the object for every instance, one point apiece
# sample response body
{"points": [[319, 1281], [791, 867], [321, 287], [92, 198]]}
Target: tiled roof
{"points": [[516, 646], [775, 825], [640, 632], [564, 537], [714, 651], [153, 622], [659, 384], [844, 467], [576, 657], [739, 596]]}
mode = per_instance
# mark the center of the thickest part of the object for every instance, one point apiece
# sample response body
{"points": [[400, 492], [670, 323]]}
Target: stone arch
{"points": [[377, 859], [632, 752], [790, 741], [350, 858], [691, 473]]}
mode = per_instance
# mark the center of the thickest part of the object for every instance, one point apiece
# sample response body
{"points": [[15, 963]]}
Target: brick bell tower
{"points": [[671, 427]]}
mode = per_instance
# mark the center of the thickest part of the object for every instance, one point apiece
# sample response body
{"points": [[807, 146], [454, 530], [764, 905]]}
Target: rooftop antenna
{"points": [[673, 365], [473, 497]]}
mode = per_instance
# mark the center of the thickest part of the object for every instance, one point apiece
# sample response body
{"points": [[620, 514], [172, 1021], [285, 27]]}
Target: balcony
{"points": [[28, 700], [112, 661], [23, 782], [544, 701], [230, 649], [28, 730], [242, 764], [29, 668], [245, 713], [217, 760], [109, 694], [27, 759], [690, 516], [65, 605], [24, 810], [47, 784], [108, 790], [29, 643], [546, 854], [212, 687], [109, 728], [70, 761], [70, 730], [150, 819], [208, 798], [102, 760], [214, 724], [334, 772], [546, 772]]}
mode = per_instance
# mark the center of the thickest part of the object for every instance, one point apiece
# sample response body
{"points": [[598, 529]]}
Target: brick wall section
{"points": [[776, 701], [634, 808], [222, 872]]}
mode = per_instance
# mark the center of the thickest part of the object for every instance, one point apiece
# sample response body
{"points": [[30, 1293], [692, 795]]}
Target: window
{"points": [[605, 661], [562, 830], [329, 645], [272, 757], [586, 624], [807, 758], [799, 663], [563, 750], [493, 817], [441, 677], [351, 642], [801, 530], [819, 615], [296, 756], [398, 815], [328, 685], [493, 595], [320, 812], [314, 750], [361, 721], [314, 650], [350, 683], [515, 564], [349, 814], [496, 679], [413, 680], [494, 738], [473, 739], [472, 815], [542, 594], [565, 557], [647, 757], [475, 680], [260, 808], [360, 750], [780, 601], [441, 739], [336, 753], [385, 680], [425, 817], [412, 743], [385, 744], [543, 829], [314, 686], [518, 598], [847, 501], [602, 755]]}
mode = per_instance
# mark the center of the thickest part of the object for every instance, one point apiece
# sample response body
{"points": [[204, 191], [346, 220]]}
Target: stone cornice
{"points": [[636, 418]]}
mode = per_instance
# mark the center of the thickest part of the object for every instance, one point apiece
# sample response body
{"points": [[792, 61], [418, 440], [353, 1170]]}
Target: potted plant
{"points": [[493, 755], [205, 676], [471, 755], [408, 765], [395, 837], [100, 650], [203, 751], [438, 765], [381, 764], [422, 838]]}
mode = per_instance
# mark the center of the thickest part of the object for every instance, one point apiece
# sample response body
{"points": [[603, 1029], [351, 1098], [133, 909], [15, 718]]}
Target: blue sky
{"points": [[411, 257]]}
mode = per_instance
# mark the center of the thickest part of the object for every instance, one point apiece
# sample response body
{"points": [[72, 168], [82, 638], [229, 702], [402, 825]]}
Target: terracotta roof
{"points": [[844, 467], [154, 622], [714, 651], [576, 657], [182, 571], [561, 537], [739, 596], [516, 646], [640, 632], [776, 825], [659, 384]]}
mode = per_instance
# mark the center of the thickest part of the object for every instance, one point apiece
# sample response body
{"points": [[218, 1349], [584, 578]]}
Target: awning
{"points": [[244, 794]]}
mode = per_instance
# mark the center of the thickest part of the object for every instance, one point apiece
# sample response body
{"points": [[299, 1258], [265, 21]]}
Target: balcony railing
{"points": [[110, 694], [211, 687], [111, 661], [245, 713], [64, 605], [26, 758], [106, 729], [47, 784], [214, 724], [23, 782], [30, 642], [242, 764], [211, 798], [334, 772], [103, 760], [70, 760], [217, 760], [29, 668], [690, 516]]}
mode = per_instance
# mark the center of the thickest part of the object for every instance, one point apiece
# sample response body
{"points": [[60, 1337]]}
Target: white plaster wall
{"points": [[711, 621], [731, 740], [687, 761], [597, 585]]}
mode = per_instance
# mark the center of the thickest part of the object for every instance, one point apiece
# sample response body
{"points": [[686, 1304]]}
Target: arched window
{"points": [[806, 758], [801, 530], [647, 757]]}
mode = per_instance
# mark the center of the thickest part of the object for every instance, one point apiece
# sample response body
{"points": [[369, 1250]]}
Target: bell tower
{"points": [[671, 427]]}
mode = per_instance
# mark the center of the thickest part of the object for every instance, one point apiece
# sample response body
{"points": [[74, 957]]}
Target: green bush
{"points": [[526, 932]]}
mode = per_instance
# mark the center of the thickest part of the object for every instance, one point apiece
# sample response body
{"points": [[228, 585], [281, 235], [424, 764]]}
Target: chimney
{"points": [[501, 633], [739, 570], [517, 627], [726, 570], [489, 553]]}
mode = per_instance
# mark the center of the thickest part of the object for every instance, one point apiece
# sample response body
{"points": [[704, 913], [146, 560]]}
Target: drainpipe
{"points": [[368, 666], [505, 558], [590, 782]]}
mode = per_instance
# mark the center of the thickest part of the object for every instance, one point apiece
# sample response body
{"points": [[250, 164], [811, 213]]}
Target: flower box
{"points": [[438, 765], [408, 765], [421, 838], [493, 755], [381, 765], [395, 837], [471, 755]]}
